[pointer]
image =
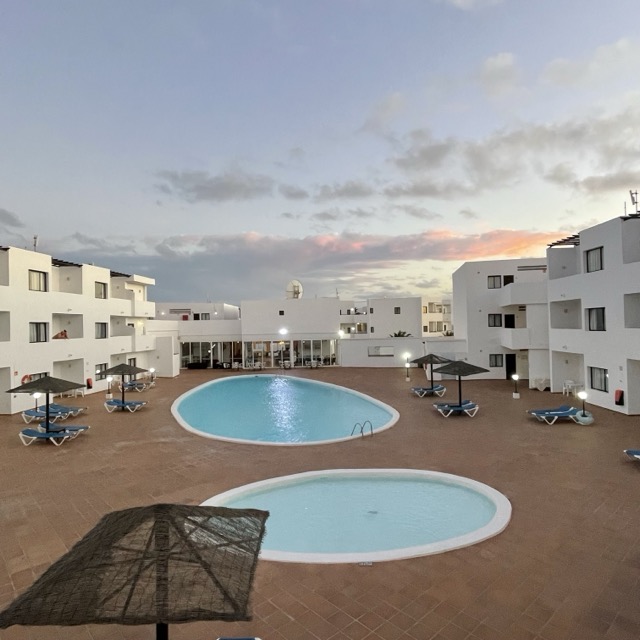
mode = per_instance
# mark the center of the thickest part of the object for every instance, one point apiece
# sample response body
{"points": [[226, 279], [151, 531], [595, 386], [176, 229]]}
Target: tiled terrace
{"points": [[567, 566]]}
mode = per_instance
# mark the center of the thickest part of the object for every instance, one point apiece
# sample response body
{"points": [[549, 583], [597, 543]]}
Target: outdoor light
{"points": [[109, 381], [583, 396], [407, 365], [152, 371], [515, 377], [36, 395]]}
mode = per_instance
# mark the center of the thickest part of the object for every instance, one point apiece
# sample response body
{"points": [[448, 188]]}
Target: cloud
{"points": [[499, 75], [619, 59], [593, 154], [257, 266], [346, 190], [293, 193], [200, 186], [416, 211], [8, 219], [468, 214]]}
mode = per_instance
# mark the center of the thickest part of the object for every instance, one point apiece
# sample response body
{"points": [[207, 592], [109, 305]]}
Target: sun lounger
{"points": [[632, 454], [61, 408], [135, 385], [29, 415], [563, 411], [28, 436], [437, 390], [446, 409], [73, 430], [129, 405]]}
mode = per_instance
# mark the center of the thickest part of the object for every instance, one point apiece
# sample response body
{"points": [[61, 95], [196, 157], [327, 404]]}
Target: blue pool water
{"points": [[268, 409], [367, 515]]}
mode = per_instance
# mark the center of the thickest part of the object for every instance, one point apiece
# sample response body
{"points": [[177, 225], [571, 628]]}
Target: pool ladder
{"points": [[362, 426]]}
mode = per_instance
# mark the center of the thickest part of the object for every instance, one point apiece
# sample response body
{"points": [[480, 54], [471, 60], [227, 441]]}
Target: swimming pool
{"points": [[370, 515], [279, 410]]}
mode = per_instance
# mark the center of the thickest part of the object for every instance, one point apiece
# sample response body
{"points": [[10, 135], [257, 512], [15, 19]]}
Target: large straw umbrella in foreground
{"points": [[158, 564]]}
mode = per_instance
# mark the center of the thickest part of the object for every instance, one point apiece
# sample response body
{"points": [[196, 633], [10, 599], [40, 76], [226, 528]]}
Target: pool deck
{"points": [[566, 568]]}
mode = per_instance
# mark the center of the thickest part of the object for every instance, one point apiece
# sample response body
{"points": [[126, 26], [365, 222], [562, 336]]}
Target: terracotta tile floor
{"points": [[566, 568]]}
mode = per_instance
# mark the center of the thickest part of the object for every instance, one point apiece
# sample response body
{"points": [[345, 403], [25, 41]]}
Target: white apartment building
{"points": [[500, 310], [594, 313], [570, 321], [73, 321], [297, 331]]}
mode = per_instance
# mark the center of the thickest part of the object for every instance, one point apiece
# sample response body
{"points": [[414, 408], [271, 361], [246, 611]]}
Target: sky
{"points": [[366, 148]]}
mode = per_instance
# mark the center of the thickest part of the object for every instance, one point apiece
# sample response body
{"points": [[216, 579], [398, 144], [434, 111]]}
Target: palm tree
{"points": [[400, 334]]}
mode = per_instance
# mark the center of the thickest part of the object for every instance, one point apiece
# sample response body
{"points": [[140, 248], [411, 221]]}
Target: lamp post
{"points": [[152, 371], [583, 396], [109, 381], [515, 377], [406, 366], [36, 395]]}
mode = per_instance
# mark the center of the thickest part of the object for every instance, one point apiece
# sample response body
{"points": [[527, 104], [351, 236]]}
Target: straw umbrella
{"points": [[460, 368], [157, 564], [430, 359], [47, 385], [123, 370]]}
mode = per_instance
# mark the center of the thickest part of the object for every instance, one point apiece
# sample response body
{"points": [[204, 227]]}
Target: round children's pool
{"points": [[280, 410], [370, 515]]}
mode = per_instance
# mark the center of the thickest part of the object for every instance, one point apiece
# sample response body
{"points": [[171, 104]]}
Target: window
{"points": [[371, 310], [37, 281], [396, 310], [436, 325], [494, 282], [281, 312], [101, 330], [373, 330], [495, 320], [595, 319], [495, 360], [507, 280], [38, 332], [593, 259], [205, 316], [380, 352], [425, 309], [599, 379], [100, 371], [196, 316], [101, 290], [425, 329]]}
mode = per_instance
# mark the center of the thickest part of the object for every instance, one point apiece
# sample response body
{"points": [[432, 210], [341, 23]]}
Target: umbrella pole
{"points": [[162, 631], [46, 413], [122, 380], [459, 390]]}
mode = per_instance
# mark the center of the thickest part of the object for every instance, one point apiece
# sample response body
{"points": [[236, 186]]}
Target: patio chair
{"points": [[632, 454], [421, 392], [129, 405], [29, 415], [468, 407], [28, 436]]}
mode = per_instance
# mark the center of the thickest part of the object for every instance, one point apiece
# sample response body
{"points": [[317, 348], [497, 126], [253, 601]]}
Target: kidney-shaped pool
{"points": [[280, 410]]}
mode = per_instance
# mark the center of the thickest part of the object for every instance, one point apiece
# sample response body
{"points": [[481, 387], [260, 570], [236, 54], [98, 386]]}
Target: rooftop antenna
{"points": [[634, 200], [35, 243]]}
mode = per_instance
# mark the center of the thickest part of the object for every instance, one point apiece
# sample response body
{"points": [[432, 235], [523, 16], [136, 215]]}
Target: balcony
{"points": [[523, 293], [525, 338]]}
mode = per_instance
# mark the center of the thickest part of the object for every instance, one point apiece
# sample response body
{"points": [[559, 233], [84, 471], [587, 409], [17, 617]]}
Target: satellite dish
{"points": [[294, 290]]}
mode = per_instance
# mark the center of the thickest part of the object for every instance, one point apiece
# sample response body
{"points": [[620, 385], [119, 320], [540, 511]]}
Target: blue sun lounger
{"points": [[28, 436], [73, 430], [446, 409], [551, 415], [632, 454], [129, 405], [29, 415], [437, 390], [61, 408]]}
